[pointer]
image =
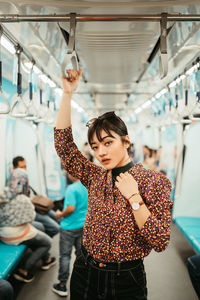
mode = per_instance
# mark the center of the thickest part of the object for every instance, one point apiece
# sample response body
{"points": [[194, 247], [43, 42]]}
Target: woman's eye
{"points": [[94, 148], [108, 143]]}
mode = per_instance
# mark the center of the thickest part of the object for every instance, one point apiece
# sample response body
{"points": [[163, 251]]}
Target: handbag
{"points": [[17, 211], [42, 204]]}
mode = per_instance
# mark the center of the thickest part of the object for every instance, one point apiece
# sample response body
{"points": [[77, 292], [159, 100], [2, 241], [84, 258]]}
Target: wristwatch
{"points": [[136, 205]]}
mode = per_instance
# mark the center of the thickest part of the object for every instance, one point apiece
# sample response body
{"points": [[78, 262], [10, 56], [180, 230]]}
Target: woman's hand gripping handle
{"points": [[70, 84]]}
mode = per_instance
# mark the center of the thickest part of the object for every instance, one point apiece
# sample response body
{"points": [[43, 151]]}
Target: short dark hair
{"points": [[16, 161], [107, 122]]}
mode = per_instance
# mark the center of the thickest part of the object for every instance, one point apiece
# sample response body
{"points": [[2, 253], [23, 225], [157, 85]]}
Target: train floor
{"points": [[167, 275]]}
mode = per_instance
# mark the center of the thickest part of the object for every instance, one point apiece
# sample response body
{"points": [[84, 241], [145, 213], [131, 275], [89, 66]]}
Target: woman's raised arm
{"points": [[70, 84]]}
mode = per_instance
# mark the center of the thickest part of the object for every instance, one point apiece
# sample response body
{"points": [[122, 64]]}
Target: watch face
{"points": [[135, 206]]}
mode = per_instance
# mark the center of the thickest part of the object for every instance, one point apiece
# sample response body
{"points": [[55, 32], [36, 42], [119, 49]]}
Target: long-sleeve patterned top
{"points": [[110, 231]]}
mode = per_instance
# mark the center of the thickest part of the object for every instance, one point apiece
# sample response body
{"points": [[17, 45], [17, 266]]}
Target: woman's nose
{"points": [[102, 151]]}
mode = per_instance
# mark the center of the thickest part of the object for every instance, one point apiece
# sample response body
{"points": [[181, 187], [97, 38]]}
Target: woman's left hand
{"points": [[126, 184]]}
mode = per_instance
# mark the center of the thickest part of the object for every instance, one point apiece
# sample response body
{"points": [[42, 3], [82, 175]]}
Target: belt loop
{"points": [[118, 268], [86, 258]]}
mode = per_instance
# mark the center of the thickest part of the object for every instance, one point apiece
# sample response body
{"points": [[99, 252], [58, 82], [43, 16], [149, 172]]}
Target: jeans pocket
{"points": [[138, 275], [79, 254], [80, 261]]}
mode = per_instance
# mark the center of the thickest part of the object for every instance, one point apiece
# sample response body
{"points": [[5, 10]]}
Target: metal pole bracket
{"points": [[71, 53], [163, 57]]}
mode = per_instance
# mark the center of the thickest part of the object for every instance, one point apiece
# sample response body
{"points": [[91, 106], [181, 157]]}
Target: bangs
{"points": [[100, 129], [104, 125]]}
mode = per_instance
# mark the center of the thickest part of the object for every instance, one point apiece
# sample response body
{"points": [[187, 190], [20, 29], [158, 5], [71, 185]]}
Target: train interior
{"points": [[147, 70]]}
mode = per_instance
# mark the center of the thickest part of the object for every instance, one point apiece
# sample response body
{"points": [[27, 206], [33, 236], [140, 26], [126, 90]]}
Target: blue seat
{"points": [[190, 227], [9, 258]]}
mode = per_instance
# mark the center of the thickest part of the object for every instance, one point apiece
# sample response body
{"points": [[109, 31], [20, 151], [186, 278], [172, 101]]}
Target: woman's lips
{"points": [[105, 161]]}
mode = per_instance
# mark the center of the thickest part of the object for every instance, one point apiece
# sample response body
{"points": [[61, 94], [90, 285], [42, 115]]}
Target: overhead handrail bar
{"points": [[12, 18], [109, 93], [71, 53], [19, 99], [6, 109], [163, 56]]}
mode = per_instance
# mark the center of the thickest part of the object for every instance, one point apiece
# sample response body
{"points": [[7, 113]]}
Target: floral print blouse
{"points": [[110, 230]]}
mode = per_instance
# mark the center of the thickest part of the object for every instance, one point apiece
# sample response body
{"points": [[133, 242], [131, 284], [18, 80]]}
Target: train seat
{"points": [[9, 258], [190, 228]]}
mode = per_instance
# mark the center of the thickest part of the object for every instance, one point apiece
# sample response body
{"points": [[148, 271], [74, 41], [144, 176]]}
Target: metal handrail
{"points": [[12, 18]]}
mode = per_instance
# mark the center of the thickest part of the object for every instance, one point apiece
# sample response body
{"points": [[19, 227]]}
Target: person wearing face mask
{"points": [[129, 210]]}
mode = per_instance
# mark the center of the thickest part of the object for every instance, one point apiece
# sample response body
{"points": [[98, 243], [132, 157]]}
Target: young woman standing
{"points": [[128, 207]]}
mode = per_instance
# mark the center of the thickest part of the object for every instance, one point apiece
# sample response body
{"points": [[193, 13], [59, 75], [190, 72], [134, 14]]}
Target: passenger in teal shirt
{"points": [[71, 229], [75, 195]]}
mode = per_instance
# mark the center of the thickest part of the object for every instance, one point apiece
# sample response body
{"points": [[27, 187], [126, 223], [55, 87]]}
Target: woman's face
{"points": [[111, 152]]}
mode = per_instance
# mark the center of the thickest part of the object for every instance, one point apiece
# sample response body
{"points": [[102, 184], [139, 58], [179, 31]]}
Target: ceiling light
{"points": [[59, 91], [7, 45], [158, 95], [44, 78], [183, 121], [163, 91], [36, 70], [172, 84], [182, 76], [190, 71], [163, 128], [29, 65], [51, 83], [138, 110], [78, 107], [146, 104]]}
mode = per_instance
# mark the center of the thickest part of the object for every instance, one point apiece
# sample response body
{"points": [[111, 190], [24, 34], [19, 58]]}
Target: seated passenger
{"points": [[6, 290], [48, 220], [193, 265], [16, 214]]}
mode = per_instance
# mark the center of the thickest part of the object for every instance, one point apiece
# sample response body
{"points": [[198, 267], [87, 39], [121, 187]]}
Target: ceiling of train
{"points": [[112, 55]]}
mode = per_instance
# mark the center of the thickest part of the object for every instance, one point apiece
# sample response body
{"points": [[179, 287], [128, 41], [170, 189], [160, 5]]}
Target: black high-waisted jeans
{"points": [[95, 280]]}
